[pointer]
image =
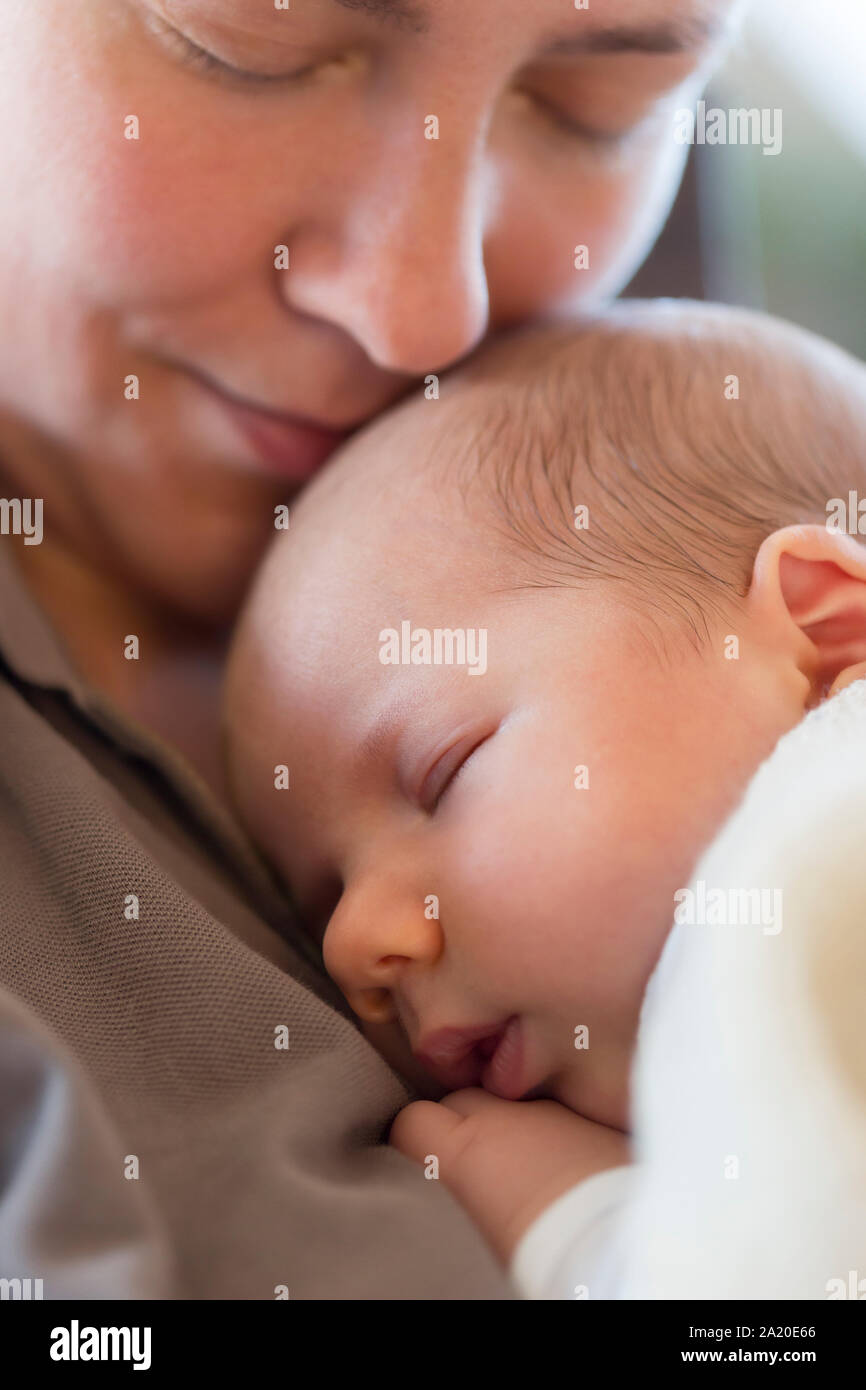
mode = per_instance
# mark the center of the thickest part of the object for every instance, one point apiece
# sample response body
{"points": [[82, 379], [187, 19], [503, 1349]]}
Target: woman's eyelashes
{"points": [[573, 127], [200, 59], [578, 130]]}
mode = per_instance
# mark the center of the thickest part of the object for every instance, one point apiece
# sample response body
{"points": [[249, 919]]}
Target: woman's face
{"points": [[157, 154]]}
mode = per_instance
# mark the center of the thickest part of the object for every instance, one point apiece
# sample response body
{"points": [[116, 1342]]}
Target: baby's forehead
{"points": [[407, 449], [399, 483]]}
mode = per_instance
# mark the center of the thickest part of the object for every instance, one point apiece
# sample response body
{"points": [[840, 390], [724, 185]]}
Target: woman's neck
{"points": [[171, 687]]}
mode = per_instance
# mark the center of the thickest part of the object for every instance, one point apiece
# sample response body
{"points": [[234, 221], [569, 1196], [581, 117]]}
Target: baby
{"points": [[521, 652]]}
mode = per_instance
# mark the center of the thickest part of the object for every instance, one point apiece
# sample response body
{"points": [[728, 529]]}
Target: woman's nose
{"points": [[398, 263], [373, 939]]}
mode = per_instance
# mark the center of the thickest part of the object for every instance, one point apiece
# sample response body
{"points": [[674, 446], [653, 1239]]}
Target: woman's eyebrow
{"points": [[665, 38], [392, 11], [669, 38]]}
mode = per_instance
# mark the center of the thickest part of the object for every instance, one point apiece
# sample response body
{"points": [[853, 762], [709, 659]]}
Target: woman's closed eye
{"points": [[202, 60], [196, 56], [603, 100]]}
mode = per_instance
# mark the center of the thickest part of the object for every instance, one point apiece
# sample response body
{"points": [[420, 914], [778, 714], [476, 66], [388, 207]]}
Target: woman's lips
{"points": [[289, 445]]}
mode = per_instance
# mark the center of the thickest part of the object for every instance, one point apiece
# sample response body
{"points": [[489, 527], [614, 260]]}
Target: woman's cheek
{"points": [[568, 234], [152, 202], [144, 183], [638, 203], [643, 189]]}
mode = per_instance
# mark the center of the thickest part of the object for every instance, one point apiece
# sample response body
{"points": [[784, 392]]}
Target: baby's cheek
{"points": [[519, 884], [557, 907], [390, 1042]]}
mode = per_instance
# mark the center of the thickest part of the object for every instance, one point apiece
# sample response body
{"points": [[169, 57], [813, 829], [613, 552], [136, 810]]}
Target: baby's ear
{"points": [[809, 583]]}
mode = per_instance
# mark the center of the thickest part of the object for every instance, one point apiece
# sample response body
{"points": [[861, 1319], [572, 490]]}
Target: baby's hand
{"points": [[506, 1160]]}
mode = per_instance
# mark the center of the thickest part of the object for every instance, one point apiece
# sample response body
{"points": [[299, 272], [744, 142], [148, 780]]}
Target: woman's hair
{"points": [[688, 432]]}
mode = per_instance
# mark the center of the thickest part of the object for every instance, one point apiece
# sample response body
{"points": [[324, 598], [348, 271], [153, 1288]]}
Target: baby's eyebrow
{"points": [[381, 732], [387, 724]]}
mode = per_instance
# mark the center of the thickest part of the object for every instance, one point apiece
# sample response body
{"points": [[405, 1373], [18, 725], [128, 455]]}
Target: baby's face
{"points": [[483, 844]]}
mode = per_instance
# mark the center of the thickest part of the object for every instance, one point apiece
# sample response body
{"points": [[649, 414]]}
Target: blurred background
{"points": [[787, 232]]}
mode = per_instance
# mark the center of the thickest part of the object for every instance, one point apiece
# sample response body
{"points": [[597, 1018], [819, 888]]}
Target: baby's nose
{"points": [[379, 931]]}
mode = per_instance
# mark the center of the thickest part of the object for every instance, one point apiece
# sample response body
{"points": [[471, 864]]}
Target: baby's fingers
{"points": [[425, 1124], [419, 1127]]}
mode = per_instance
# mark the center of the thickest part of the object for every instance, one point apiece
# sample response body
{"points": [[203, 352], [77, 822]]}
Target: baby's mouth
{"points": [[489, 1055], [505, 1072]]}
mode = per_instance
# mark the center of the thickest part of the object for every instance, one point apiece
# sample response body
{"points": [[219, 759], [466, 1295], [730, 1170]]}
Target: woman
{"points": [[231, 232]]}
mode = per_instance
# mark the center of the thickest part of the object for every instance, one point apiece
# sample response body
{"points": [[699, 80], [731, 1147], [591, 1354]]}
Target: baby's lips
{"points": [[456, 1056], [505, 1072]]}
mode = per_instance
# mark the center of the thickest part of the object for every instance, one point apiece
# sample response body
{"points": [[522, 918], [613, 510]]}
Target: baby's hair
{"points": [[689, 432]]}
